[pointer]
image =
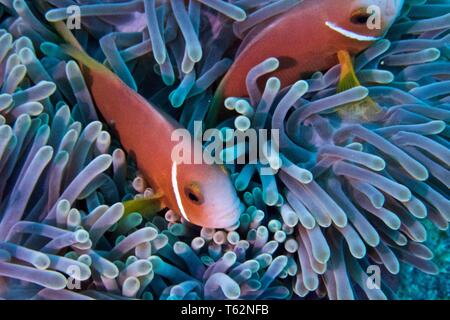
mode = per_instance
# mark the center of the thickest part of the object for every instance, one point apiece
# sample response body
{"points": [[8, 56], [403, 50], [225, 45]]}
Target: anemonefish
{"points": [[202, 193], [306, 39]]}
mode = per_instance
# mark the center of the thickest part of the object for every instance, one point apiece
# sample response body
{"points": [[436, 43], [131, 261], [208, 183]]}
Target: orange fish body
{"points": [[143, 130], [306, 39], [202, 193]]}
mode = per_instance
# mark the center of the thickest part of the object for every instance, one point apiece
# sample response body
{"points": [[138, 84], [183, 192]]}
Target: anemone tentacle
{"points": [[348, 194]]}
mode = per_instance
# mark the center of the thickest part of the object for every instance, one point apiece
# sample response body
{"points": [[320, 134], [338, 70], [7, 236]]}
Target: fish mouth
{"points": [[350, 34]]}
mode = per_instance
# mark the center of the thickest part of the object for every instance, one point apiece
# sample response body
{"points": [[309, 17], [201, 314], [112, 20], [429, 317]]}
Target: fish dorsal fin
{"points": [[364, 110]]}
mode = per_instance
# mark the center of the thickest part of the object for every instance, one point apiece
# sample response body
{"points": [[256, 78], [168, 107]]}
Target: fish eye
{"points": [[194, 194], [360, 16]]}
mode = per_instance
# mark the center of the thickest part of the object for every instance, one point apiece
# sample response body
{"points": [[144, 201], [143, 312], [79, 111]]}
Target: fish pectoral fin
{"points": [[364, 110], [147, 207], [348, 78]]}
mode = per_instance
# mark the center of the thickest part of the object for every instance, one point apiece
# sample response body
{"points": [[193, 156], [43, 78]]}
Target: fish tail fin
{"points": [[365, 109], [74, 49], [67, 35], [147, 207]]}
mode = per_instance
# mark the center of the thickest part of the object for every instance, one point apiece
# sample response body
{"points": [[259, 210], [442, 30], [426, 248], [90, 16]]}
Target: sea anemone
{"points": [[357, 186], [187, 43], [348, 193], [62, 236]]}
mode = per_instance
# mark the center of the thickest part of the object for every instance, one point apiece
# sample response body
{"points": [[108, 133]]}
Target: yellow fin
{"points": [[366, 109], [65, 33], [146, 207], [74, 49]]}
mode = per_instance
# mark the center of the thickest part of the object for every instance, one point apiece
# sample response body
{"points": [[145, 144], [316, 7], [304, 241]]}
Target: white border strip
{"points": [[177, 191], [350, 34]]}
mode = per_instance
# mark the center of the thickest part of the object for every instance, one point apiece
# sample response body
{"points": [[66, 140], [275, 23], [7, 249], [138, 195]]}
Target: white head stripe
{"points": [[350, 34], [176, 191]]}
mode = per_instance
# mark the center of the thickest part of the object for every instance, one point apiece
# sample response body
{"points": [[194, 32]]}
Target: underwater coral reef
{"points": [[350, 192]]}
